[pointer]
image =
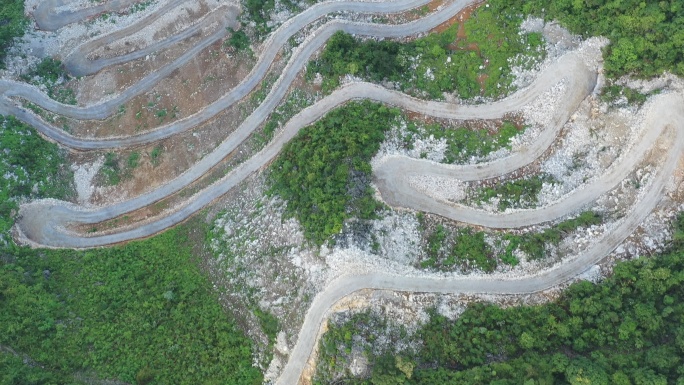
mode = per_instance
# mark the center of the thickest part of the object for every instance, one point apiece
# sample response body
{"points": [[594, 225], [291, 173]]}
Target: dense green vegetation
{"points": [[517, 193], [12, 24], [474, 65], [647, 37], [141, 313], [13, 370], [463, 143], [624, 330], [324, 172]]}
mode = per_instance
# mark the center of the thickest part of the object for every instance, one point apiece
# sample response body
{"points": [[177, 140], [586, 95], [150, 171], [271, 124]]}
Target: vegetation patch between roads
{"points": [[324, 172], [475, 60], [448, 249]]}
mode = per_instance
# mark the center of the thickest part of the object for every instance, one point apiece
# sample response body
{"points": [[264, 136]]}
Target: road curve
{"points": [[667, 114], [393, 180], [48, 19], [269, 52], [78, 64]]}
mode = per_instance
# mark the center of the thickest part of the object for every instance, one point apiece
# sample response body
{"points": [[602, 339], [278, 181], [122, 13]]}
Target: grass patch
{"points": [[324, 172], [514, 194], [463, 143], [155, 155], [133, 159], [110, 169]]}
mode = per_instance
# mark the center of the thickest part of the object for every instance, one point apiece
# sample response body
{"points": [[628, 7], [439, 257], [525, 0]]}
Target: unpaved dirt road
{"points": [[44, 223]]}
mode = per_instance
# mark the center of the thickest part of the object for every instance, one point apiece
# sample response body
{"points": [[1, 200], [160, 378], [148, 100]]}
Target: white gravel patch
{"points": [[83, 179], [445, 189], [540, 112]]}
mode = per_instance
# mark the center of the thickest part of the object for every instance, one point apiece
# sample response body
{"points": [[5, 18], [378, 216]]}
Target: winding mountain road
{"points": [[45, 222], [50, 17], [78, 64], [269, 50]]}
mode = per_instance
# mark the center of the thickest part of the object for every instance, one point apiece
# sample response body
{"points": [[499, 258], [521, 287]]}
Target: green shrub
{"points": [[238, 40], [110, 169], [155, 154], [133, 159], [647, 37]]}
